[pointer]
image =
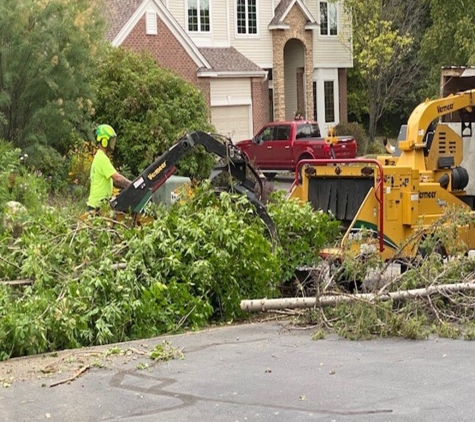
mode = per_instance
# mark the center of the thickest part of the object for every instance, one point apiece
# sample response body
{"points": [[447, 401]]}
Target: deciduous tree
{"points": [[450, 40], [46, 49], [150, 108], [384, 38]]}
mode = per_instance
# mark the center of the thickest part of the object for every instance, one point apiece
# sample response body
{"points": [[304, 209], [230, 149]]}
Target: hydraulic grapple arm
{"points": [[136, 196]]}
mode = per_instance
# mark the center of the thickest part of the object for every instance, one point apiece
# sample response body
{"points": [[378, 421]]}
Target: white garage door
{"points": [[232, 121]]}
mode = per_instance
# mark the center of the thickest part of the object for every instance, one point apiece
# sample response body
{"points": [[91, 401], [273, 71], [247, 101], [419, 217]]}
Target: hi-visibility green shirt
{"points": [[101, 179]]}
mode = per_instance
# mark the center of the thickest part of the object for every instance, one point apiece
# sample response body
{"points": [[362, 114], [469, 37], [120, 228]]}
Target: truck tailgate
{"points": [[345, 147]]}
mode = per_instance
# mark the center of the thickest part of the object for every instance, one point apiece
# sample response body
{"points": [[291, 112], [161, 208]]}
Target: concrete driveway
{"points": [[255, 372]]}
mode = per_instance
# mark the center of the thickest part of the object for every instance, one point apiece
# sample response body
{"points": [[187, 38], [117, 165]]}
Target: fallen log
{"points": [[263, 305]]}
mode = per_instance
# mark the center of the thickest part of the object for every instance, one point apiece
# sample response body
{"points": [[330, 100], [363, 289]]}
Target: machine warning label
{"points": [[138, 183]]}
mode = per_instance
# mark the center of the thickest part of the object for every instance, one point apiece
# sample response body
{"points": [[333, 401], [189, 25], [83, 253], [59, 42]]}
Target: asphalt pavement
{"points": [[269, 371]]}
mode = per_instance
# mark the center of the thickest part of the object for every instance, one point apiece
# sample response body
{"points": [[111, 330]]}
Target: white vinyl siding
{"points": [[231, 91], [332, 51], [220, 24], [218, 35], [178, 10], [257, 48]]}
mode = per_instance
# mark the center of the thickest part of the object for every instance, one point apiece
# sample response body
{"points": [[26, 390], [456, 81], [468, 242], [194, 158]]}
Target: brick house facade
{"points": [[247, 79]]}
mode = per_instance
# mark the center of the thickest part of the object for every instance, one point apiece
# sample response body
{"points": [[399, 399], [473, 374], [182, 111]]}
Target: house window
{"points": [[247, 16], [151, 23], [329, 101], [328, 18], [198, 16]]}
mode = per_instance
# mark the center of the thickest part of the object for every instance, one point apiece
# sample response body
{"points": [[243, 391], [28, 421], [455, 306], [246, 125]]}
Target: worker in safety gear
{"points": [[103, 175]]}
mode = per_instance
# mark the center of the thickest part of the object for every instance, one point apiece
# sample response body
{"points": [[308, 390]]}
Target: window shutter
{"points": [[151, 23]]}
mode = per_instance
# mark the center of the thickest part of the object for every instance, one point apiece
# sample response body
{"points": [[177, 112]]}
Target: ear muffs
{"points": [[104, 141]]}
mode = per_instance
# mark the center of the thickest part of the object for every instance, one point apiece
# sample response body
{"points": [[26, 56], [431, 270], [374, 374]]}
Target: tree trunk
{"points": [[312, 302], [372, 124]]}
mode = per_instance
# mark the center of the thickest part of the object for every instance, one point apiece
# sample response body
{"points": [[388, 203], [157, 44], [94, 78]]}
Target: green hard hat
{"points": [[104, 133]]}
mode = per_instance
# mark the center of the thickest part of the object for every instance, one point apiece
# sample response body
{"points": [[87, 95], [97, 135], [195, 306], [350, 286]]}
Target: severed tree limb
{"points": [[27, 282], [263, 305], [77, 374], [17, 282]]}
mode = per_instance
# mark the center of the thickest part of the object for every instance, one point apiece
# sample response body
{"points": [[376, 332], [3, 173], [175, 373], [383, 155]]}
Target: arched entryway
{"points": [[294, 77]]}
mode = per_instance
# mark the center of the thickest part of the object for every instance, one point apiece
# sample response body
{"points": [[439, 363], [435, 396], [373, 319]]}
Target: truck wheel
{"points": [[305, 157], [270, 176]]}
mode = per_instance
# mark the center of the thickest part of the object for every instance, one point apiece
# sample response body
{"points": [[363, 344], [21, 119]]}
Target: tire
{"points": [[305, 157]]}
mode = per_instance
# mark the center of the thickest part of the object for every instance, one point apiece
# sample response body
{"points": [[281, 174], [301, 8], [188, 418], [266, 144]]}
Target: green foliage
{"points": [[193, 264], [16, 182], [46, 53], [302, 232], [47, 162], [78, 162], [385, 43], [164, 352], [410, 312], [450, 40], [361, 320], [357, 131], [376, 147], [150, 108]]}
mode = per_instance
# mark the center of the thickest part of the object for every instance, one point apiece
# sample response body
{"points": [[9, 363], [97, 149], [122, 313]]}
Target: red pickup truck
{"points": [[281, 145]]}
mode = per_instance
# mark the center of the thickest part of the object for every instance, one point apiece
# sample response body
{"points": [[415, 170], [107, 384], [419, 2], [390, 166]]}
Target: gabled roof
{"points": [[123, 16], [227, 61], [283, 9]]}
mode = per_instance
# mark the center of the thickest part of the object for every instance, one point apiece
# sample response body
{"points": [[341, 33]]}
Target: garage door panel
{"points": [[232, 121]]}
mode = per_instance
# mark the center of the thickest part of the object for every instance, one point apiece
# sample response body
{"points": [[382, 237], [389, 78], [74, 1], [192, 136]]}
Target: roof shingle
{"points": [[279, 11], [118, 12], [228, 59]]}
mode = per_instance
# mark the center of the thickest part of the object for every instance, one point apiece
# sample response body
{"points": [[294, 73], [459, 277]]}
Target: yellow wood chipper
{"points": [[388, 203]]}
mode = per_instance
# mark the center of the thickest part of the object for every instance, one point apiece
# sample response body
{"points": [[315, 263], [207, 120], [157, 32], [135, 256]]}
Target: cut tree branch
{"points": [[77, 374], [263, 305]]}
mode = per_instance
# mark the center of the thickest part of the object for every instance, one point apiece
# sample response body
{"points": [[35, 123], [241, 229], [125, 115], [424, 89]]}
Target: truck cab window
{"points": [[283, 133], [308, 130], [264, 135]]}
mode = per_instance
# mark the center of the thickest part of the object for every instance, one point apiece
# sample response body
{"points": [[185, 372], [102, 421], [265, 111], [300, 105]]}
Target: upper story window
{"points": [[198, 16], [246, 16], [328, 18]]}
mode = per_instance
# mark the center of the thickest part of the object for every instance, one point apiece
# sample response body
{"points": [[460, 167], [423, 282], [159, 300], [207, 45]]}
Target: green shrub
{"points": [[16, 182], [377, 147], [45, 161], [357, 131], [150, 108], [302, 232]]}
